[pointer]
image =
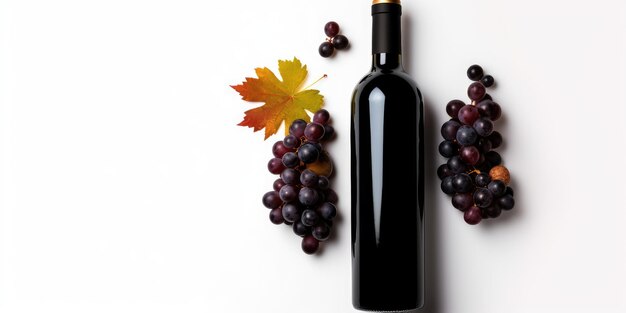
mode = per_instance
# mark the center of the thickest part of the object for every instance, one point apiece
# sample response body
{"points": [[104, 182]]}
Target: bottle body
{"points": [[387, 189]]}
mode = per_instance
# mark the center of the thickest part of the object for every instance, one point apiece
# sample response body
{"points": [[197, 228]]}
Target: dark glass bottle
{"points": [[387, 175]]}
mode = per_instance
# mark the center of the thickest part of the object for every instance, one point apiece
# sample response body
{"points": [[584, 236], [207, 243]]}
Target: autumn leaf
{"points": [[284, 100]]}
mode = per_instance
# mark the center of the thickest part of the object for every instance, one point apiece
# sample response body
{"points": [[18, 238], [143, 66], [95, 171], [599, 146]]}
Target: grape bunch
{"points": [[473, 175], [333, 41], [302, 196]]}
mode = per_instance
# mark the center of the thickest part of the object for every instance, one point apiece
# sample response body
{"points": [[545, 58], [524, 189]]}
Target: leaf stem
{"points": [[315, 82]]}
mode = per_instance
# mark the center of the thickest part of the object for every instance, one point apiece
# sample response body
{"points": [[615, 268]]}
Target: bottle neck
{"points": [[386, 35]]}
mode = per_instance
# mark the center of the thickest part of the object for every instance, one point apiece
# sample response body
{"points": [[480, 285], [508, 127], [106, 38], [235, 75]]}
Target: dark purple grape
{"points": [[300, 229], [290, 176], [505, 202], [466, 135], [489, 109], [297, 128], [288, 193], [483, 145], [456, 164], [470, 155], [497, 188], [308, 178], [327, 210], [314, 131], [291, 142], [326, 49], [310, 244], [340, 42], [483, 197], [291, 160], [279, 149], [321, 231], [275, 165], [448, 148], [291, 212], [308, 153], [496, 139], [462, 201], [462, 183], [468, 114], [446, 185], [329, 132], [487, 81], [321, 116], [278, 183], [271, 199], [476, 91], [331, 29], [276, 216], [509, 191], [309, 217], [483, 127], [493, 158], [492, 211], [449, 129], [475, 72], [482, 180], [308, 196], [444, 171], [472, 215], [323, 182], [331, 196], [453, 107]]}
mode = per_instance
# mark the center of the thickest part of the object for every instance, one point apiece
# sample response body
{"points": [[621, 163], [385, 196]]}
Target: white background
{"points": [[127, 186]]}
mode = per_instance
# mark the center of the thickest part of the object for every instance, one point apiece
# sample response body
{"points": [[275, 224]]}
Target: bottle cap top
{"points": [[385, 1]]}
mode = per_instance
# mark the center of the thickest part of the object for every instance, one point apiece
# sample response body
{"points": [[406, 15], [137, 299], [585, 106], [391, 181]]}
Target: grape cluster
{"points": [[333, 41], [302, 196], [473, 175]]}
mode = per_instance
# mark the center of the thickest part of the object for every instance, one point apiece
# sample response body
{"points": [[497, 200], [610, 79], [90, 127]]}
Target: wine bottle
{"points": [[387, 175]]}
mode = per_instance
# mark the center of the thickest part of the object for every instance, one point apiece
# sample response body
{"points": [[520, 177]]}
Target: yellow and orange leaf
{"points": [[284, 100]]}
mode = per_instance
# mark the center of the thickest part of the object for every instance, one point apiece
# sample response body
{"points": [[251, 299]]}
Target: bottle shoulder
{"points": [[393, 81]]}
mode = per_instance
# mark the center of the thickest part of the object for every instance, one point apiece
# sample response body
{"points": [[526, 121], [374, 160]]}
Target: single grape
{"points": [[288, 193], [482, 180], [448, 148], [509, 191], [331, 196], [493, 211], [271, 199], [310, 244], [470, 155], [275, 165], [292, 142], [326, 49], [308, 153], [321, 116], [472, 215], [476, 91], [300, 229], [340, 42], [327, 210], [493, 158], [449, 129], [444, 171], [309, 217], [329, 131], [297, 128], [483, 145], [291, 212], [308, 178], [462, 183], [278, 183], [483, 197], [475, 72], [487, 97], [308, 196], [461, 201], [279, 149], [446, 185], [323, 182], [466, 135], [331, 29], [290, 176], [456, 164], [487, 81], [496, 139], [489, 109], [497, 188], [321, 231], [453, 107], [483, 127], [505, 202], [276, 216], [290, 159], [314, 131], [468, 114]]}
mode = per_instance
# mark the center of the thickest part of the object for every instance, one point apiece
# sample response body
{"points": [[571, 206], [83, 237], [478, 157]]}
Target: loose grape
{"points": [[476, 91], [340, 42], [310, 245], [487, 81], [326, 49], [475, 72], [331, 29]]}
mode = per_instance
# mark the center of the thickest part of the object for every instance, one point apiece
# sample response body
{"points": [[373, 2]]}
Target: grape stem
{"points": [[315, 82]]}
